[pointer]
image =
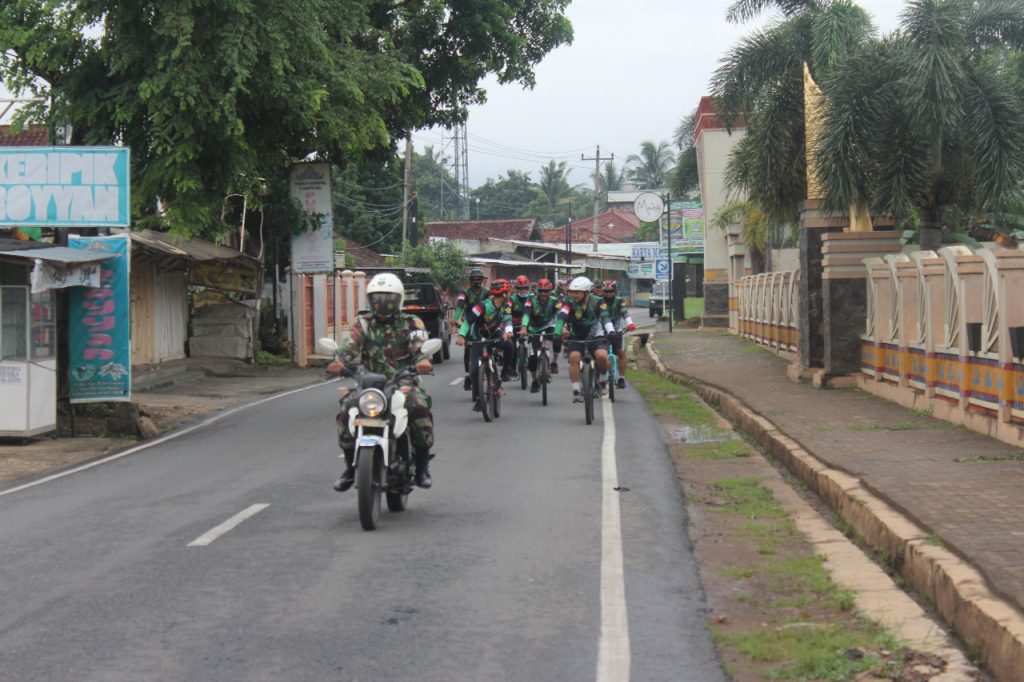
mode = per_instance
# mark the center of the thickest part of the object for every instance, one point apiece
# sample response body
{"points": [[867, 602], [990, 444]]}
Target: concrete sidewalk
{"points": [[960, 489], [172, 394]]}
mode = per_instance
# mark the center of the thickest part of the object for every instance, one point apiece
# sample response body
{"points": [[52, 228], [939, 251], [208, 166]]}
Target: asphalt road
{"points": [[498, 573]]}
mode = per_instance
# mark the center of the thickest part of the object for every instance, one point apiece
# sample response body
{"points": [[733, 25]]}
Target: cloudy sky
{"points": [[633, 71]]}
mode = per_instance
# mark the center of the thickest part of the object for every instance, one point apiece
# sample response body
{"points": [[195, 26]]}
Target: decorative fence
{"points": [[768, 310], [949, 326], [324, 305]]}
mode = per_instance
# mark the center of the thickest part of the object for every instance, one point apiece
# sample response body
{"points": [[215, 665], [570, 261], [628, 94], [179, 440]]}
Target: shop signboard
{"points": [[313, 247], [643, 270], [99, 343], [64, 187], [686, 223]]}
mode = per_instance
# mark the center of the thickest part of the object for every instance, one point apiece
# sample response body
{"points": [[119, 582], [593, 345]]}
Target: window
{"points": [[13, 323]]}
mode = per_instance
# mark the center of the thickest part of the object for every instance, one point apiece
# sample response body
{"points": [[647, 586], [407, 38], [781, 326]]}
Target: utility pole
{"points": [[407, 184], [597, 159]]}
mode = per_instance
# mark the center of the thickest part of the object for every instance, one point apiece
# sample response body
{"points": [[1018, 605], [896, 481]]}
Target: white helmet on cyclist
{"points": [[384, 295], [580, 284]]}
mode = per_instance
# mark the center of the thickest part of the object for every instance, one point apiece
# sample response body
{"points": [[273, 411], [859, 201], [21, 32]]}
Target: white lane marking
{"points": [[163, 439], [456, 382], [613, 656], [214, 533]]}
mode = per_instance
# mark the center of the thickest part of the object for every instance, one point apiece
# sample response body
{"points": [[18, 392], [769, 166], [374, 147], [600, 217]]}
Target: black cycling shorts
{"points": [[577, 346]]}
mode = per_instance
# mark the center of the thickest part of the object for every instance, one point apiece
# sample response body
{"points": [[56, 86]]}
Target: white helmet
{"points": [[581, 284], [385, 294]]}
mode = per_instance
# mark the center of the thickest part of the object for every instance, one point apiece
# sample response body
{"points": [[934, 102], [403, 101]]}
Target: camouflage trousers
{"points": [[421, 422]]}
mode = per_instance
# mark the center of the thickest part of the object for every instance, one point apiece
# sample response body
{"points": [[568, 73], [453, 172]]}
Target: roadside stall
{"points": [[29, 274]]}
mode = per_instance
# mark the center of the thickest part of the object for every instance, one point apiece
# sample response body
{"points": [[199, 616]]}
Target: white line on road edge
{"points": [[214, 533], [613, 657], [457, 381], [163, 439]]}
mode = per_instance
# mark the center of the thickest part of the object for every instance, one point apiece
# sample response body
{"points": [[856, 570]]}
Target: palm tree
{"points": [[759, 85], [755, 228], [684, 178], [929, 122], [651, 167], [611, 177], [554, 183]]}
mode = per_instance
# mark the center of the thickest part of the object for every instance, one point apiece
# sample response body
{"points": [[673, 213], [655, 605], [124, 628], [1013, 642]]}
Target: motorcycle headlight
{"points": [[372, 403]]}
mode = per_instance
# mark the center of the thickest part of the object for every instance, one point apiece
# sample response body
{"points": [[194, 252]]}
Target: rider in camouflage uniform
{"points": [[382, 341]]}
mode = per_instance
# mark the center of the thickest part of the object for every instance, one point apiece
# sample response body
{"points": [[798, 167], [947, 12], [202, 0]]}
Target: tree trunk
{"points": [[931, 230], [756, 261]]}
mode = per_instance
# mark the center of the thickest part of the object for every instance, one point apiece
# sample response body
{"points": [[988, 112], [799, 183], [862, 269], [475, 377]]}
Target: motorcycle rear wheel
{"points": [[369, 478]]}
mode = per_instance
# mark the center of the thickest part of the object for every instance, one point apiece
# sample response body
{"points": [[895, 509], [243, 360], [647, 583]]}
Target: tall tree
{"points": [[211, 96], [929, 122], [432, 182], [759, 85], [684, 179], [507, 197], [553, 193], [650, 168]]}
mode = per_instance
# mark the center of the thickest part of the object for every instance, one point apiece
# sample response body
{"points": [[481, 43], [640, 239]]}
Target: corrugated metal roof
{"points": [[190, 249], [56, 254]]}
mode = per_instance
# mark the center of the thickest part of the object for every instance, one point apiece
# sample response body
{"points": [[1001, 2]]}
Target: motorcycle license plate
{"points": [[368, 421]]}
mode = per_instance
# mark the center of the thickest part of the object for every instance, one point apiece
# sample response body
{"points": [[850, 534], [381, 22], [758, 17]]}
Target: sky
{"points": [[633, 71]]}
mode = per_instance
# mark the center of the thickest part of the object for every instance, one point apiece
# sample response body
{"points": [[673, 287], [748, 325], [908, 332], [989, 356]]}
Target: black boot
{"points": [[348, 477], [423, 479]]}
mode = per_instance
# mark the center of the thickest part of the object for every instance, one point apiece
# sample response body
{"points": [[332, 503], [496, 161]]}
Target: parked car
{"points": [[658, 301], [426, 301]]}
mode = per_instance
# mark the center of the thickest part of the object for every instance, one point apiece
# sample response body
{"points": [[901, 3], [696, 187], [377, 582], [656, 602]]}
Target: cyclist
{"points": [[488, 319], [598, 289], [382, 340], [583, 317], [619, 315], [517, 306], [541, 310], [469, 297]]}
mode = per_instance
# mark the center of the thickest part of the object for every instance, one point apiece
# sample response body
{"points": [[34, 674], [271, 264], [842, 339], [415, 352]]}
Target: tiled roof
{"points": [[364, 257], [613, 227], [30, 136], [484, 229], [708, 118]]}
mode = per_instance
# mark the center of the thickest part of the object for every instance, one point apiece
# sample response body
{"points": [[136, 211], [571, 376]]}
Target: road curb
{"points": [[959, 592]]}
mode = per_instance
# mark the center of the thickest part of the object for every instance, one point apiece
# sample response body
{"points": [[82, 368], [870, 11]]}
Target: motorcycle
{"points": [[383, 455]]}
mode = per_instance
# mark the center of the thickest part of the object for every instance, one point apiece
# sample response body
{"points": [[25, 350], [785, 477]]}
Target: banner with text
{"points": [[99, 342], [313, 249], [686, 223], [64, 186]]}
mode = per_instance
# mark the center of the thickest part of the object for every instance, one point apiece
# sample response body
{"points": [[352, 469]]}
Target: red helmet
{"points": [[522, 282], [545, 284], [611, 285], [499, 287]]}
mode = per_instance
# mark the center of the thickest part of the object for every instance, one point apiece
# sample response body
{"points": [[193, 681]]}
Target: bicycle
{"points": [[542, 351], [488, 380], [522, 357], [613, 363], [588, 376]]}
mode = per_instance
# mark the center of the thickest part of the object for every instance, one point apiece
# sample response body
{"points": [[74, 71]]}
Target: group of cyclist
{"points": [[579, 311]]}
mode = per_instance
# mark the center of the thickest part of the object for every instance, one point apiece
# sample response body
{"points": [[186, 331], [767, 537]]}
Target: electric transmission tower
{"points": [[455, 154]]}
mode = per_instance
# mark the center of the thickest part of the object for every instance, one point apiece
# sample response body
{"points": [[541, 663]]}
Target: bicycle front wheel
{"points": [[588, 388], [485, 387], [543, 373], [521, 362]]}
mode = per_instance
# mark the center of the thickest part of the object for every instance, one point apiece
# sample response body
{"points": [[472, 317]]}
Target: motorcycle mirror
{"points": [[326, 346], [431, 346]]}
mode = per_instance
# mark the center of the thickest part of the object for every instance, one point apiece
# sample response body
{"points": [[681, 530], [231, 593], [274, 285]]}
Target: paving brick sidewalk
{"points": [[934, 472]]}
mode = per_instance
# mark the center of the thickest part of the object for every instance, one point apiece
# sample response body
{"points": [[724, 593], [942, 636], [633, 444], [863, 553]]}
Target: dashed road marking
{"points": [[214, 533]]}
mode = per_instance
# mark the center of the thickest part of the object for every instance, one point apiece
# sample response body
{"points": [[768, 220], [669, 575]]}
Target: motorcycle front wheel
{"points": [[369, 477]]}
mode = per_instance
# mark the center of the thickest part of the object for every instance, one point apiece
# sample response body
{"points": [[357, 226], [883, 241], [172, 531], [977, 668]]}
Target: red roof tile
{"points": [[523, 229], [613, 227], [708, 118], [364, 257], [30, 136]]}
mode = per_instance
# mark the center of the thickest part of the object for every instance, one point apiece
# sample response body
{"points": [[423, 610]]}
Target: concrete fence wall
{"points": [[945, 332], [325, 306], [768, 311]]}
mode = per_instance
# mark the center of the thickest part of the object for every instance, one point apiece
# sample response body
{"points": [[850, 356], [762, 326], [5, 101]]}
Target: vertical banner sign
{"points": [[313, 248], [99, 343], [686, 222]]}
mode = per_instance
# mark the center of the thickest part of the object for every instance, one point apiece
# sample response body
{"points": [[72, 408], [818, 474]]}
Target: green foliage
{"points": [[685, 179], [652, 167], [367, 202], [760, 82], [446, 261], [211, 96], [507, 197], [270, 360], [755, 228], [930, 120]]}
